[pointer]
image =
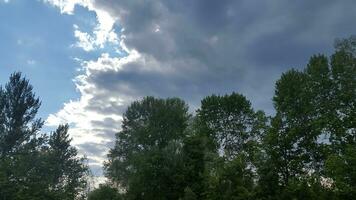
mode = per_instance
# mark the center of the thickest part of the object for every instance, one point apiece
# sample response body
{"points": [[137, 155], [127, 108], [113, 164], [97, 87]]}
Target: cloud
{"points": [[68, 6], [190, 49], [103, 32]]}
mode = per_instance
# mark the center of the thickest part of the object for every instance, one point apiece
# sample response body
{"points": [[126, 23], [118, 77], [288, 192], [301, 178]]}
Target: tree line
{"points": [[225, 150]]}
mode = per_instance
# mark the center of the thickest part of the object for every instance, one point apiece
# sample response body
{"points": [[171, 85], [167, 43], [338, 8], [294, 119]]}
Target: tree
{"points": [[230, 179], [295, 143], [343, 71], [147, 154], [235, 130], [231, 123], [33, 165], [189, 194], [340, 164], [194, 159], [19, 137], [313, 127], [289, 134], [18, 106], [104, 192], [66, 173]]}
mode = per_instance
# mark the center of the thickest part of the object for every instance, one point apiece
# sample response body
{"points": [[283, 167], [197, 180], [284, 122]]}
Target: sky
{"points": [[88, 60]]}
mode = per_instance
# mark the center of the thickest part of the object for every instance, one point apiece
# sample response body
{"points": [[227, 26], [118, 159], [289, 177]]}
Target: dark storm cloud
{"points": [[184, 84], [221, 46]]}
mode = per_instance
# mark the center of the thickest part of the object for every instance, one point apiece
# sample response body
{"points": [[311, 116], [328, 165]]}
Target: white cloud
{"points": [[85, 40], [103, 32], [67, 6], [93, 117], [85, 122]]}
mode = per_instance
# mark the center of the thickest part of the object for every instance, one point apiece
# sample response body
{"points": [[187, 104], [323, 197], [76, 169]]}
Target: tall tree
{"points": [[314, 126], [289, 135], [194, 158], [66, 172], [20, 141], [340, 164], [145, 159], [235, 131], [231, 123], [19, 106], [296, 142], [33, 165]]}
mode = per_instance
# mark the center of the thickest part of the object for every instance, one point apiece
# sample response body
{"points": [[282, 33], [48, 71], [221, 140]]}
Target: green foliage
{"points": [[236, 129], [310, 137], [230, 122], [189, 194], [104, 192], [18, 106], [147, 159], [342, 170], [32, 165], [66, 173], [230, 180], [19, 139], [194, 158]]}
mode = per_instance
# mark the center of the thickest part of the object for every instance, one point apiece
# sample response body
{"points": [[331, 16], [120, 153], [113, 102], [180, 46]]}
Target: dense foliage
{"points": [[104, 192]]}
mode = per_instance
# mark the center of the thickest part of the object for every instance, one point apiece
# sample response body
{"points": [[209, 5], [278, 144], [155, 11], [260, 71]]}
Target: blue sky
{"points": [[88, 60], [37, 42]]}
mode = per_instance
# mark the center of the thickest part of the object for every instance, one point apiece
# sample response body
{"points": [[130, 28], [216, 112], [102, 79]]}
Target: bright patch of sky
{"points": [[44, 45], [37, 42]]}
